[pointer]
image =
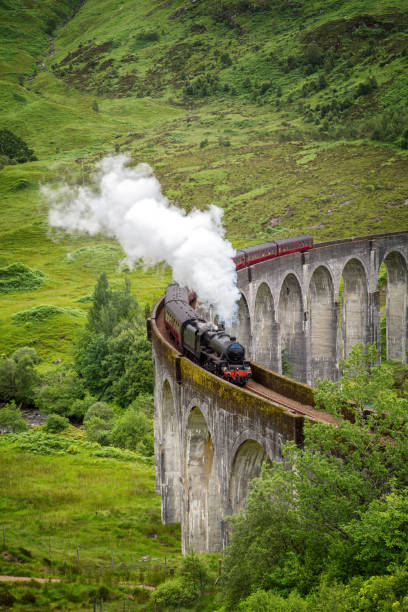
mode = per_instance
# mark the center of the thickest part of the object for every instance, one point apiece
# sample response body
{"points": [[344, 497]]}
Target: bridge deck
{"points": [[268, 394]]}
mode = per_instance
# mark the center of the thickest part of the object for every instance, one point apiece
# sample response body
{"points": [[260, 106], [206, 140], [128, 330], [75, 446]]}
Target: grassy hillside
{"points": [[83, 514], [291, 116]]}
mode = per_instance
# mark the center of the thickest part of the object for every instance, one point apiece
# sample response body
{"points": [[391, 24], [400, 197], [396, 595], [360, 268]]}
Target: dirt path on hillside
{"points": [[27, 579]]}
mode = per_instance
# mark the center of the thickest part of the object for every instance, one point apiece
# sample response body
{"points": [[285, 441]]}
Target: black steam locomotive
{"points": [[206, 344]]}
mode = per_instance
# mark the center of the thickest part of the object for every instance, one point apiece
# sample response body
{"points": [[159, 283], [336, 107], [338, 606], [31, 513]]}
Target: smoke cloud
{"points": [[127, 204]]}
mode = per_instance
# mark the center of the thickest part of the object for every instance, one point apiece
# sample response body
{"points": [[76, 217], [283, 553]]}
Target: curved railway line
{"points": [[255, 387]]}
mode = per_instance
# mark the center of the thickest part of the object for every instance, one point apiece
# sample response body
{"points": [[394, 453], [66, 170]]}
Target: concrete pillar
{"points": [[323, 326], [168, 453], [264, 331], [373, 332], [355, 306], [198, 498], [291, 319], [397, 304]]}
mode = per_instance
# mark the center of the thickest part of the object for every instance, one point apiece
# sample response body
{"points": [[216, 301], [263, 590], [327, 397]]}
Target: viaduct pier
{"points": [[306, 310]]}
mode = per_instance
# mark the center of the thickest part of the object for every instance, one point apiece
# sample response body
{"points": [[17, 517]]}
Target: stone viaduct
{"points": [[309, 309], [211, 437]]}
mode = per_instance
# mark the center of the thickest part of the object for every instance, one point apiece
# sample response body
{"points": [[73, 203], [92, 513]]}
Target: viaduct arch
{"points": [[211, 438], [306, 310]]}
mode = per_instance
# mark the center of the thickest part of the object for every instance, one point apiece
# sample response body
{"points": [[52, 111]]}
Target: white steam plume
{"points": [[128, 205]]}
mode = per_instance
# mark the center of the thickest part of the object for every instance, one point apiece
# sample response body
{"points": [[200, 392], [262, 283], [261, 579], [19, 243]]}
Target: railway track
{"points": [[254, 387]]}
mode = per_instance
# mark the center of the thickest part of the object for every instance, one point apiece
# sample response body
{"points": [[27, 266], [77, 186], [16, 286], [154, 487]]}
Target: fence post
{"points": [[101, 606], [94, 607]]}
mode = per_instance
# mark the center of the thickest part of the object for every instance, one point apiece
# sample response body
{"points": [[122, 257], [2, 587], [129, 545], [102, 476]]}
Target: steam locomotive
{"points": [[205, 343]]}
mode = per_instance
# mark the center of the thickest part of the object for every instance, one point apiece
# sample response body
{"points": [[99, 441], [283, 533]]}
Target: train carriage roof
{"points": [[274, 243], [294, 240], [182, 311], [175, 292], [256, 247]]}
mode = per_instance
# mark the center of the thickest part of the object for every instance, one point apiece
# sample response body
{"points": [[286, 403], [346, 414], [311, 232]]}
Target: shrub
{"points": [[100, 410], [11, 420], [204, 143], [134, 431], [18, 376], [224, 142], [313, 55], [60, 391], [148, 36], [366, 87], [56, 423], [271, 602], [99, 422], [226, 60], [18, 277], [15, 148], [174, 592]]}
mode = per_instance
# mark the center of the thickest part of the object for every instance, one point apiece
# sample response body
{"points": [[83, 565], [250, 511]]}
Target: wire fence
{"points": [[100, 566], [97, 565], [96, 558]]}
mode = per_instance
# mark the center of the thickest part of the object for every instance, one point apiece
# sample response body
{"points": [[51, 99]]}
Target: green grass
{"points": [[265, 142], [82, 513], [272, 169], [67, 490]]}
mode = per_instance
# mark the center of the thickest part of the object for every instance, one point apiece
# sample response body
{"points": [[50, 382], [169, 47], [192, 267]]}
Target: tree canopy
{"points": [[15, 148], [336, 508]]}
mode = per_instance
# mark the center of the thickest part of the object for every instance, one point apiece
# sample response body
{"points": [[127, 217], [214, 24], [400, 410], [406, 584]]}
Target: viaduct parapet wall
{"points": [[303, 312]]}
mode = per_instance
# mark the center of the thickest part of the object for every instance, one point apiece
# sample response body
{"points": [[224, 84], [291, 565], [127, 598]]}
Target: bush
{"points": [[60, 391], [56, 423], [11, 420], [148, 36], [266, 601], [15, 148], [134, 431], [18, 376], [226, 60], [18, 277], [366, 87], [99, 422], [174, 592], [313, 55]]}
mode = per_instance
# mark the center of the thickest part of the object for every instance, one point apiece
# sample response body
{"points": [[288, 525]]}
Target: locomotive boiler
{"points": [[206, 344]]}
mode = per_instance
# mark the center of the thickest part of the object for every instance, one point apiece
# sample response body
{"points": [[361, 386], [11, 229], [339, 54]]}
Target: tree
{"points": [[114, 356], [14, 147], [18, 376], [98, 422], [56, 423], [134, 431], [62, 391], [11, 419], [336, 507]]}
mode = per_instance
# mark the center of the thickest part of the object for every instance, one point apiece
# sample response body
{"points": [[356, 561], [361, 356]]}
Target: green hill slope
{"points": [[292, 116]]}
